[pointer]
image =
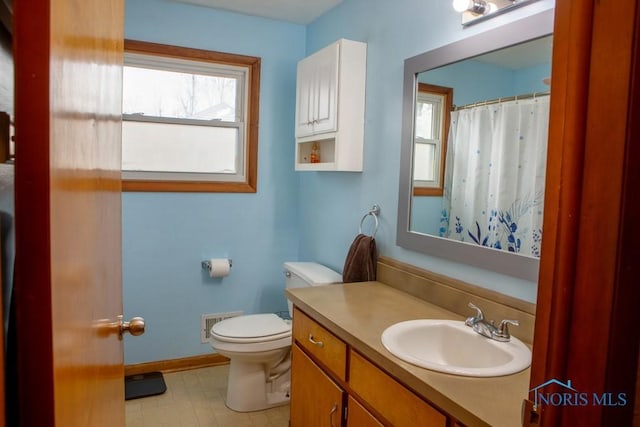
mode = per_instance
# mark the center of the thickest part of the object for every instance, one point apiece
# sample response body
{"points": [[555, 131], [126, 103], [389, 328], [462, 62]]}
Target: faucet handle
{"points": [[502, 333], [474, 319]]}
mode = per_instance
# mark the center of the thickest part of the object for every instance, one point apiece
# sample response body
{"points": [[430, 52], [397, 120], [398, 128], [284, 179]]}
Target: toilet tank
{"points": [[304, 274]]}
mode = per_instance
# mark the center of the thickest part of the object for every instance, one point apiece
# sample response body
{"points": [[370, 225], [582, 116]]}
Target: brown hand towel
{"points": [[360, 265]]}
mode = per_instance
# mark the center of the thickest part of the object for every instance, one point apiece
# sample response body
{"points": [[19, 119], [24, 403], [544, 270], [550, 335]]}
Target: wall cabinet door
{"points": [[317, 91], [330, 102], [316, 401]]}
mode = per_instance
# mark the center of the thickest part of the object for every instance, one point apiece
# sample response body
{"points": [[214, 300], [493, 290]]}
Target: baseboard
{"points": [[173, 365]]}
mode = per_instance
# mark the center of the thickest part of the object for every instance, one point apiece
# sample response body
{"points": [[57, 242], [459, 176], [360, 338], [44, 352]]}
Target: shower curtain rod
{"points": [[499, 100]]}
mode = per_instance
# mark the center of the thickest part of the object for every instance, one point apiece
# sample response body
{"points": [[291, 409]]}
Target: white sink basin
{"points": [[451, 347]]}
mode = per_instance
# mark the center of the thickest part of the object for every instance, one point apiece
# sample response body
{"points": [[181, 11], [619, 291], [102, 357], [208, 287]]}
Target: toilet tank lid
{"points": [[313, 273]]}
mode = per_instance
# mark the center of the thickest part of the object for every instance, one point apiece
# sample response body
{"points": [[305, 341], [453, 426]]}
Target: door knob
{"points": [[135, 326]]}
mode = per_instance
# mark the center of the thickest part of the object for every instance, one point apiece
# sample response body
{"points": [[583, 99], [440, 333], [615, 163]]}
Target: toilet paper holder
{"points": [[206, 265]]}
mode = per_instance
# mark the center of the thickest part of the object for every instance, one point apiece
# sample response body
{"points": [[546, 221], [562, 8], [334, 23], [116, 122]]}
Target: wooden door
{"points": [[68, 291], [316, 401], [588, 292]]}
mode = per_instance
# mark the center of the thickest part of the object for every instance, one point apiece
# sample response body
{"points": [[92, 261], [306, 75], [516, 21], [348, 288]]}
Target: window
{"points": [[433, 110], [190, 119]]}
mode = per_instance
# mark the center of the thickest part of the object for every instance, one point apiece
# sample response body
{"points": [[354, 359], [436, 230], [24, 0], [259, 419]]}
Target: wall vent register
{"points": [[208, 320]]}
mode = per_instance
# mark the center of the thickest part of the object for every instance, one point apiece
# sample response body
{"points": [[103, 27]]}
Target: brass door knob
{"points": [[135, 326]]}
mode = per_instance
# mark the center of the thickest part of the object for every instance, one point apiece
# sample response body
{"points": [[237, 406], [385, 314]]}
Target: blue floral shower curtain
{"points": [[494, 175]]}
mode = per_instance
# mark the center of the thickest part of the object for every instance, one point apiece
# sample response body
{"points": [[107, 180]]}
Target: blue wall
{"points": [[294, 216], [331, 204], [166, 235]]}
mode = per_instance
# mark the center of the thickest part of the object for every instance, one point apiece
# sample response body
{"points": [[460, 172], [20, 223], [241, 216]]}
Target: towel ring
{"points": [[375, 210]]}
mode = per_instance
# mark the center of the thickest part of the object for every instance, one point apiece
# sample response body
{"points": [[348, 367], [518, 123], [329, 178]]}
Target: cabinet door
{"points": [[358, 416], [316, 401], [397, 404], [325, 117], [317, 92], [305, 86]]}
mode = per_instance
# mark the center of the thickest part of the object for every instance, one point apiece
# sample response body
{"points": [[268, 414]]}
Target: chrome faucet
{"points": [[488, 329]]}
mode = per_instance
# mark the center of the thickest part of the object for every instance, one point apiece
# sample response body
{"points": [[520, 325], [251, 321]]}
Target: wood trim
{"points": [[454, 295], [583, 289], [32, 27], [624, 343], [187, 186], [570, 73], [173, 365], [181, 52], [252, 123], [448, 107]]}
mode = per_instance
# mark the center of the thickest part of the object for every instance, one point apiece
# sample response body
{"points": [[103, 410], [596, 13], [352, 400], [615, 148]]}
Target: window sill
{"points": [[426, 191], [188, 186]]}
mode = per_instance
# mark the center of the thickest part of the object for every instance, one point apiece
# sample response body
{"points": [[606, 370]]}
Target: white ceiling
{"points": [[296, 11]]}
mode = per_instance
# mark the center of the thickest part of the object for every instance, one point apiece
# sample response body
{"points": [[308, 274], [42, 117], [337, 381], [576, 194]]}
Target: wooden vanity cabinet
{"points": [[333, 385]]}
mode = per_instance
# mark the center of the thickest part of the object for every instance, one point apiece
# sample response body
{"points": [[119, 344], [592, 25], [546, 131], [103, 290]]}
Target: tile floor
{"points": [[195, 398]]}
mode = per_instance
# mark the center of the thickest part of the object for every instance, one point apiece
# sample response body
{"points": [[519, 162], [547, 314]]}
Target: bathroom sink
{"points": [[451, 347]]}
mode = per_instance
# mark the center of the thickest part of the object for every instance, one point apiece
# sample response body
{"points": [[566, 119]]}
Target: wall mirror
{"points": [[474, 135]]}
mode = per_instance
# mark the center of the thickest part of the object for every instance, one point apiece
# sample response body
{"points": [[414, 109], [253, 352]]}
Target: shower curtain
{"points": [[494, 175]]}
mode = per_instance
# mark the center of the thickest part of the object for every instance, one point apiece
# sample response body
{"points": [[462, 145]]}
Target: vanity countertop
{"points": [[358, 313]]}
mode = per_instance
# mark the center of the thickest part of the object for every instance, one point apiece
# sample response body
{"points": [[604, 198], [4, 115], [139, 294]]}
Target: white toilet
{"points": [[259, 346]]}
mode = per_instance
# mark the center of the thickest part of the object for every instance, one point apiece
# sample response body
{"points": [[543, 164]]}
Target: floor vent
{"points": [[208, 320]]}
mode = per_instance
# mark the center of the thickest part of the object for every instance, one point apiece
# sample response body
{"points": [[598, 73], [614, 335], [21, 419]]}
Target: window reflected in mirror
{"points": [[433, 110]]}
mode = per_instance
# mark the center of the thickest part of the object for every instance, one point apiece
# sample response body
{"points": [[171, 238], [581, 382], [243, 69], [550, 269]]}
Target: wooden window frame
{"points": [[250, 184], [447, 107]]}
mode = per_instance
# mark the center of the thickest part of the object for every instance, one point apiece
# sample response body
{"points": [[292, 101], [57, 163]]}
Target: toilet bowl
{"points": [[259, 347]]}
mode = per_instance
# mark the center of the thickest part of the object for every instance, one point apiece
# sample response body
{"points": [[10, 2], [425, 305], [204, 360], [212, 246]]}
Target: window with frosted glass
{"points": [[186, 119]]}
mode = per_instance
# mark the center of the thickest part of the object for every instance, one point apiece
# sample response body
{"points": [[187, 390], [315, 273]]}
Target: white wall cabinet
{"points": [[330, 97]]}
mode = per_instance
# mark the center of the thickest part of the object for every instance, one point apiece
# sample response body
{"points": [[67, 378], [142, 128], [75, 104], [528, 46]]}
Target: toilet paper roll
{"points": [[219, 267]]}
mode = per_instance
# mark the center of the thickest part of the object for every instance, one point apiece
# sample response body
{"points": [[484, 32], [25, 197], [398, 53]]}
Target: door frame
{"points": [[586, 290]]}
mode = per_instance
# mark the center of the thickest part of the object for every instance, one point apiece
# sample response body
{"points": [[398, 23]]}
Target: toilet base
{"points": [[248, 388]]}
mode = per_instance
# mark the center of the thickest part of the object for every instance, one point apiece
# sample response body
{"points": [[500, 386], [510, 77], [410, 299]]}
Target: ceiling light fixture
{"points": [[477, 7], [478, 10]]}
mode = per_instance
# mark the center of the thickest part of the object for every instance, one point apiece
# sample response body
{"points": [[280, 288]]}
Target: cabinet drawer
{"points": [[391, 399], [322, 344]]}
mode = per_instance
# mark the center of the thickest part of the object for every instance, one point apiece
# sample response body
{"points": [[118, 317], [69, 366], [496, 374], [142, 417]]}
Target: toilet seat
{"points": [[252, 328]]}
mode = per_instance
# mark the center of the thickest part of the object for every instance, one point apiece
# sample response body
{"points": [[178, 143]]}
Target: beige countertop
{"points": [[358, 313]]}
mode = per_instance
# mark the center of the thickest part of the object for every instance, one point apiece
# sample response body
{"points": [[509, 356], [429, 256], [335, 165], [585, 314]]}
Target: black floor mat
{"points": [[143, 385]]}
